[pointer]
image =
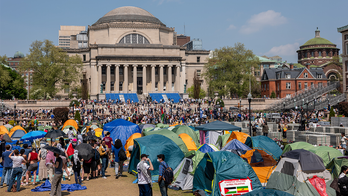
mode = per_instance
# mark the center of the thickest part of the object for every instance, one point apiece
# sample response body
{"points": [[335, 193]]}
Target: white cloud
{"points": [[284, 50], [231, 27], [262, 20]]}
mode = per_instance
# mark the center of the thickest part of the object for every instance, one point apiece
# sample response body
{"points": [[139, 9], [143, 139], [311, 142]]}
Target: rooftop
{"points": [[318, 41], [341, 29]]}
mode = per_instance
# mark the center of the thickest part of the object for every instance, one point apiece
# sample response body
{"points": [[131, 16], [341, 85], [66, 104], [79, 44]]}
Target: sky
{"points": [[267, 27]]}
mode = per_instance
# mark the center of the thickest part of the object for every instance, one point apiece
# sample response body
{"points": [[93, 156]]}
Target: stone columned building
{"points": [[130, 51]]}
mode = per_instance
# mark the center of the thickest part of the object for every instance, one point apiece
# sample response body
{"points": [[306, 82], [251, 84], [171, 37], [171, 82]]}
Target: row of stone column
{"points": [[134, 88]]}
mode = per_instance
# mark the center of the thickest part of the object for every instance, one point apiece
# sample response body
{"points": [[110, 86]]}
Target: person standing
{"points": [[49, 165], [56, 188], [33, 159], [118, 163], [103, 151], [24, 165], [162, 167], [144, 176], [265, 129], [16, 170], [343, 181], [7, 166], [285, 129], [42, 163], [76, 167], [343, 141], [108, 140]]}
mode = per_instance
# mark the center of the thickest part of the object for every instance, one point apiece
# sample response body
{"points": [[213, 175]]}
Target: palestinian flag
{"points": [[238, 189], [70, 151], [162, 117]]}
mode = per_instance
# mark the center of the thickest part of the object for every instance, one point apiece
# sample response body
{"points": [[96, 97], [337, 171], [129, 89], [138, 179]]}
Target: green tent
{"points": [[222, 165], [326, 153], [185, 129], [335, 166], [196, 159], [154, 145], [297, 145], [171, 135], [160, 125], [41, 128], [222, 139]]}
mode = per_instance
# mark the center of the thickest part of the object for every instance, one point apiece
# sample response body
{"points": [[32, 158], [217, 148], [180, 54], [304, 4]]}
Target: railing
{"points": [[163, 92]]}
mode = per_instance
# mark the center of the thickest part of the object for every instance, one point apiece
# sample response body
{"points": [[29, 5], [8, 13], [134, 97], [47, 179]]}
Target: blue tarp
{"points": [[268, 145], [236, 145], [267, 192], [121, 129], [46, 186], [17, 134]]}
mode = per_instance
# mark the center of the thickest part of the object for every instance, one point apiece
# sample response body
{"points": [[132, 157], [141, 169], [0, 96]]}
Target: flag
{"points": [[70, 151], [162, 117]]}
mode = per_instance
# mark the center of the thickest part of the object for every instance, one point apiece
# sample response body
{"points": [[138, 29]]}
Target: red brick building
{"points": [[284, 82]]}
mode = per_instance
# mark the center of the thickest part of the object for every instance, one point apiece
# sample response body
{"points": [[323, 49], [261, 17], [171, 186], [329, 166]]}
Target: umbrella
{"points": [[55, 133], [92, 137], [54, 150], [6, 138], [33, 135], [86, 151]]}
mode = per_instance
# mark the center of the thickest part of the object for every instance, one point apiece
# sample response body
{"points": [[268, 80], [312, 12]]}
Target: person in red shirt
{"points": [[33, 158], [108, 140]]}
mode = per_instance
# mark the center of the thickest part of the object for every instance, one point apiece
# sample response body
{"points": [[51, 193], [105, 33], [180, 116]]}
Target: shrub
{"points": [[60, 115], [220, 102], [77, 116], [74, 102], [332, 113], [273, 95]]}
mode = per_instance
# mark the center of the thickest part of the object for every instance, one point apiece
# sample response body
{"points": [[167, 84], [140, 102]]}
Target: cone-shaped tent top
{"points": [[3, 130], [236, 145], [190, 144], [72, 123], [186, 129], [242, 137], [121, 129], [15, 128], [268, 145], [154, 145], [217, 126], [17, 134]]}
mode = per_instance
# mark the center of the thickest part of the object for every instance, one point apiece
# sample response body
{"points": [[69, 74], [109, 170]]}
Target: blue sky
{"points": [[266, 27]]}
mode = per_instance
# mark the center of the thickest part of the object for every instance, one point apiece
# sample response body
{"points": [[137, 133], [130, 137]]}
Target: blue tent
{"points": [[236, 145], [121, 129], [154, 145], [267, 192], [17, 134], [222, 165], [268, 145], [207, 148]]}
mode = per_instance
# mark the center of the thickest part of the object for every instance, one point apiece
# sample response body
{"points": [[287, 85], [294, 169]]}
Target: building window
{"points": [[156, 70], [299, 86], [305, 55], [198, 59], [121, 86], [266, 66], [267, 86], [320, 84], [312, 54], [346, 37], [287, 76], [305, 75], [112, 70], [103, 70], [134, 39], [288, 85], [319, 53], [346, 66], [320, 76], [278, 86], [121, 71], [198, 73], [288, 95], [164, 71], [112, 86], [346, 49], [305, 85], [312, 84], [84, 57]]}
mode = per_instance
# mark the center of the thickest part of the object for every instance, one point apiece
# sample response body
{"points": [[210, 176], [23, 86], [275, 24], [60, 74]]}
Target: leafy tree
{"points": [[11, 84], [202, 92], [53, 69], [220, 102], [332, 113], [74, 102], [77, 117], [230, 70], [273, 95], [60, 115]]}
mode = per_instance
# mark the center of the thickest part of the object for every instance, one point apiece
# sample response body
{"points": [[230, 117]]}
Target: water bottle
{"points": [[63, 177]]}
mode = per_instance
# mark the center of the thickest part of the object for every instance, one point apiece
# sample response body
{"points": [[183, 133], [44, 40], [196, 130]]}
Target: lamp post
{"points": [[249, 100], [295, 104], [15, 113], [93, 111], [240, 106]]}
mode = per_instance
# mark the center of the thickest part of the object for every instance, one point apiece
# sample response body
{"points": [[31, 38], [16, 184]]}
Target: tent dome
{"points": [[18, 54], [129, 14]]}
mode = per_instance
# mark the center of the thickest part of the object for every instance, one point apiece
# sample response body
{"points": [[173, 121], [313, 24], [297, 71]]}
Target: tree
{"points": [[53, 69], [332, 113], [11, 84], [60, 115], [273, 95], [230, 70], [77, 117], [196, 86], [202, 92]]}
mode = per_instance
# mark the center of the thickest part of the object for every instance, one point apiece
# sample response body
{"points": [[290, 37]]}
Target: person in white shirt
{"points": [[343, 141], [16, 169], [144, 176]]}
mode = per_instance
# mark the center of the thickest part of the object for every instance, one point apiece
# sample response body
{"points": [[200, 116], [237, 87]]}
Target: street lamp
{"points": [[240, 106], [15, 112], [295, 104], [249, 100], [93, 110]]}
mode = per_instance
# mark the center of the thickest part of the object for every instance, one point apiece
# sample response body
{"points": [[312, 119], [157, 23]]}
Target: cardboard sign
{"points": [[235, 187]]}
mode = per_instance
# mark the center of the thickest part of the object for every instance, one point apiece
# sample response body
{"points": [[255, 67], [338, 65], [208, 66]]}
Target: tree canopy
{"points": [[230, 70], [11, 83], [53, 69]]}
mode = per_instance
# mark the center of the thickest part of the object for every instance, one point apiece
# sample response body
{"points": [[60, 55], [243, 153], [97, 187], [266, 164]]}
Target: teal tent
{"points": [[218, 125], [268, 145], [154, 145], [171, 135], [222, 165], [267, 192]]}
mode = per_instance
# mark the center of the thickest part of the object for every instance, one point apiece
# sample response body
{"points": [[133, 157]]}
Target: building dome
{"points": [[18, 54], [128, 14], [318, 41]]}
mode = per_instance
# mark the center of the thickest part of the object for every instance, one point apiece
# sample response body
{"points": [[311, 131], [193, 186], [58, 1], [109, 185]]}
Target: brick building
{"points": [[284, 81], [344, 31]]}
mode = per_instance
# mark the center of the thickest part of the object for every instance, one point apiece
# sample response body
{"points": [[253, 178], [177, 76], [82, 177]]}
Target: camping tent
{"points": [[326, 153], [173, 136], [16, 135], [242, 137], [144, 126], [237, 146], [267, 144], [335, 165], [262, 163], [130, 142], [297, 145], [186, 129], [66, 129], [121, 129], [160, 125], [293, 171], [210, 132], [222, 165], [207, 148], [3, 130], [222, 140], [154, 145], [15, 128], [72, 123], [98, 132], [190, 144], [267, 192]]}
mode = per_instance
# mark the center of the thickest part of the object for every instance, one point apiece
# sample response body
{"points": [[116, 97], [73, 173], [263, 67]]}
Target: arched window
{"points": [[134, 39]]}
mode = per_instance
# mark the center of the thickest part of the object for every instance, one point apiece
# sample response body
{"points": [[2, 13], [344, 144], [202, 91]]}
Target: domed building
{"points": [[131, 51]]}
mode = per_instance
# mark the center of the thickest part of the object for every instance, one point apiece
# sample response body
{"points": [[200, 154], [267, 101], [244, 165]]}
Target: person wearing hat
{"points": [[42, 164], [144, 176]]}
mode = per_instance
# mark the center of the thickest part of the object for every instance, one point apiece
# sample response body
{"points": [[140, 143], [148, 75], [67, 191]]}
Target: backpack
{"points": [[122, 155], [96, 154], [168, 175]]}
